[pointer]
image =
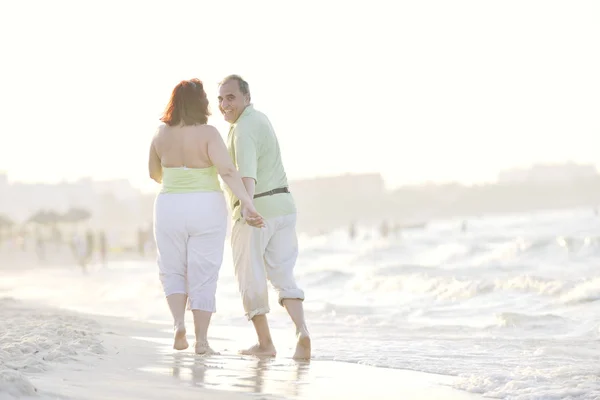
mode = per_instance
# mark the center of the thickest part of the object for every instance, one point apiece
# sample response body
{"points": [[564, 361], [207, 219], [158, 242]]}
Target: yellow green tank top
{"points": [[190, 180]]}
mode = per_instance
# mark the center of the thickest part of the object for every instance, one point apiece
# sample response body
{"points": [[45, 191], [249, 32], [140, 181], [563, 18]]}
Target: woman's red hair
{"points": [[188, 104]]}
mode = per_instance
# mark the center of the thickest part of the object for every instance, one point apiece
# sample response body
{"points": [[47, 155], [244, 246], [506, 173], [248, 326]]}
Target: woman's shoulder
{"points": [[157, 132], [160, 129], [207, 129]]}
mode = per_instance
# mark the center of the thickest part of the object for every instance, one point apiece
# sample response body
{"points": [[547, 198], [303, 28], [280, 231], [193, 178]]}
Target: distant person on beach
{"points": [[352, 231], [40, 246], [89, 245], [269, 253], [79, 246], [190, 213], [384, 229], [102, 247]]}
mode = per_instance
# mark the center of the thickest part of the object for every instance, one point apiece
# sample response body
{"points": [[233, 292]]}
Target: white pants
{"points": [[189, 229], [261, 254]]}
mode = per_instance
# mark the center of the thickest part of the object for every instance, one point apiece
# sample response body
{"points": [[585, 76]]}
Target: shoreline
{"points": [[137, 360]]}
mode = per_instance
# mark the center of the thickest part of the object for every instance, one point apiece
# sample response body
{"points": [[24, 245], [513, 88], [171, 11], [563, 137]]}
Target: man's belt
{"points": [[269, 193]]}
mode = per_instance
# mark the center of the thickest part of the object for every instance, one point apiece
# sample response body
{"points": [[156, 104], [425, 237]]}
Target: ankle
{"points": [[179, 325], [201, 338], [301, 329], [266, 343]]}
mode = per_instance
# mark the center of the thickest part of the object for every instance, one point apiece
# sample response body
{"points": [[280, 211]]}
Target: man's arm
{"points": [[217, 152]]}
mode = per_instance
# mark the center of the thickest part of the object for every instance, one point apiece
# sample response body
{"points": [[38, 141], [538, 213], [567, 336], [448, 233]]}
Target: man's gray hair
{"points": [[243, 85]]}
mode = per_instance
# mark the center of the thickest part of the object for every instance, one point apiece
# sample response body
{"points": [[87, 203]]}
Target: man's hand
{"points": [[251, 216]]}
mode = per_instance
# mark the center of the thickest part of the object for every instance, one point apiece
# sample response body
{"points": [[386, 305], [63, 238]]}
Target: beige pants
{"points": [[190, 230], [266, 253]]}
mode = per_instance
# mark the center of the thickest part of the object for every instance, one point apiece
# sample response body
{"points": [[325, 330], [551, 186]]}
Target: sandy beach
{"points": [[48, 353]]}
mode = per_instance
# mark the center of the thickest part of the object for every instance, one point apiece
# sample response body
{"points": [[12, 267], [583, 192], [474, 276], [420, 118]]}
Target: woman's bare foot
{"points": [[180, 341], [260, 351], [203, 349], [303, 347]]}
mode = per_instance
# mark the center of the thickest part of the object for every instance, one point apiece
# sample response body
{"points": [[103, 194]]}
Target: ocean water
{"points": [[511, 306]]}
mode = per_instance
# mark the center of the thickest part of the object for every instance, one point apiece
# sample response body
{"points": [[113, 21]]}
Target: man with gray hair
{"points": [[268, 253]]}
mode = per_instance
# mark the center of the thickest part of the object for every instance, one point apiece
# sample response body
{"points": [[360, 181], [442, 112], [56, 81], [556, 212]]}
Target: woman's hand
{"points": [[251, 216]]}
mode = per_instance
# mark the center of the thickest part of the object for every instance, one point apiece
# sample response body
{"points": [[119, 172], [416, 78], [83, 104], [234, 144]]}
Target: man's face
{"points": [[231, 100]]}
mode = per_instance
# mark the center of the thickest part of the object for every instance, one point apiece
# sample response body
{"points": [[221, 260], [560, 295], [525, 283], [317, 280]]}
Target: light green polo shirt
{"points": [[254, 149]]}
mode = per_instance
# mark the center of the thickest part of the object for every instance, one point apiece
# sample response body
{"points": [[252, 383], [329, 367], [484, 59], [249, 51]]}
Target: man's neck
{"points": [[242, 113]]}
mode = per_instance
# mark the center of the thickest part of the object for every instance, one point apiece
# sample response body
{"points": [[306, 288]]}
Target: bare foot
{"points": [[303, 346], [180, 341], [260, 351], [203, 349]]}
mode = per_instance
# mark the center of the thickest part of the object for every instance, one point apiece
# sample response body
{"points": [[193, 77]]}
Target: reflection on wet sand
{"points": [[284, 377], [246, 374]]}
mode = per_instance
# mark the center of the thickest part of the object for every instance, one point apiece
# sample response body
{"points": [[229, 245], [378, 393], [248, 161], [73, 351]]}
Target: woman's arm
{"points": [[154, 165], [219, 156]]}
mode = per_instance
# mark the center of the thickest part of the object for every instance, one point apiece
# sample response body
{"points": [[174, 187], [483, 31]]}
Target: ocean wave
{"points": [[499, 367], [452, 287], [584, 292], [325, 277], [518, 320]]}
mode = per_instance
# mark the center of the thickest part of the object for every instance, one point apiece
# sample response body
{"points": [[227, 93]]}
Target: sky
{"points": [[416, 90]]}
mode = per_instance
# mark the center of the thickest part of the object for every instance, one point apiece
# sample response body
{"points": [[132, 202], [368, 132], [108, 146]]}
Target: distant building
{"points": [[549, 173], [355, 185], [120, 188], [110, 202], [327, 202]]}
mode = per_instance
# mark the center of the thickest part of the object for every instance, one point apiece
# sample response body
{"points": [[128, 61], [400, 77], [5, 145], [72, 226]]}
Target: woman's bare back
{"points": [[183, 146]]}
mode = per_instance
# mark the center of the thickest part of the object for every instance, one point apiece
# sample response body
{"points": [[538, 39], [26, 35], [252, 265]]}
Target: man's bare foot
{"points": [[180, 341], [203, 349], [260, 351], [303, 346]]}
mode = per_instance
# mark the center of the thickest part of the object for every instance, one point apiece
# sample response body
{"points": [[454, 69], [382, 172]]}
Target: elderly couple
{"points": [[190, 213]]}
